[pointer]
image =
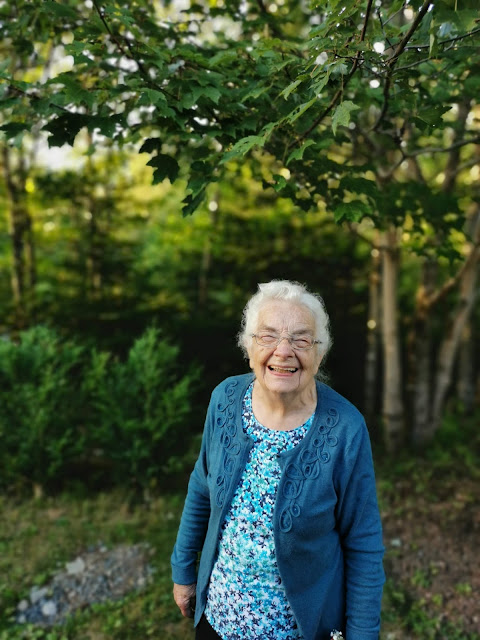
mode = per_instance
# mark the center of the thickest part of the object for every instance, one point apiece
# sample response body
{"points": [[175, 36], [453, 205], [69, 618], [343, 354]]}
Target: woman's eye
{"points": [[302, 343]]}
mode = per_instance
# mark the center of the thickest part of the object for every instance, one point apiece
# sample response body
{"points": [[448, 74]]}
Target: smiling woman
{"points": [[281, 502]]}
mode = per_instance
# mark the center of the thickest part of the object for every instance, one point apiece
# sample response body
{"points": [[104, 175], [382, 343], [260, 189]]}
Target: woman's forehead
{"points": [[284, 315]]}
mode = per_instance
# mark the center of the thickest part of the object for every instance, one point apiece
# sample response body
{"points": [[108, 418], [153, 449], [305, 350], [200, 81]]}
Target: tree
{"points": [[357, 105]]}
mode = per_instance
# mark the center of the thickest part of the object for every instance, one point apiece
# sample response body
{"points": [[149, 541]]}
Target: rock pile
{"points": [[95, 576]]}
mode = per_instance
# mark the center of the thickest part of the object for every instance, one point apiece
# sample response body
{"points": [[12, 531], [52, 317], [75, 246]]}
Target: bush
{"points": [[69, 415], [141, 407], [39, 402]]}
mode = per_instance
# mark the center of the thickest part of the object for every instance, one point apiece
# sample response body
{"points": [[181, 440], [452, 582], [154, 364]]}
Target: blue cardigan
{"points": [[327, 530]]}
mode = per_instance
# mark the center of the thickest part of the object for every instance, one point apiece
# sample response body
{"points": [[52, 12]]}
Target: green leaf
{"points": [[242, 147], [213, 93], [352, 211], [106, 126], [320, 84], [73, 90], [297, 154], [359, 185], [433, 115], [342, 114], [300, 110], [291, 87], [150, 145], [58, 9], [12, 129], [255, 93], [152, 96], [64, 129], [433, 46], [165, 167], [279, 183], [191, 203]]}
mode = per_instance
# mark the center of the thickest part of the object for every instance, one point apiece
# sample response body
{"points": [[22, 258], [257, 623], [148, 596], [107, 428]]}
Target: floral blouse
{"points": [[246, 599]]}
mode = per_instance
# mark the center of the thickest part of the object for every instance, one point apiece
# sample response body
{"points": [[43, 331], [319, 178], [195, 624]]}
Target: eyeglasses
{"points": [[298, 343]]}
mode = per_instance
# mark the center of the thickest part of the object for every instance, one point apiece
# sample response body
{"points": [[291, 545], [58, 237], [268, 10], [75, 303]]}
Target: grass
{"points": [[38, 536]]}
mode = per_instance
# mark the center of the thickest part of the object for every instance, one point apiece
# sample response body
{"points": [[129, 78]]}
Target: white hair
{"points": [[293, 292]]}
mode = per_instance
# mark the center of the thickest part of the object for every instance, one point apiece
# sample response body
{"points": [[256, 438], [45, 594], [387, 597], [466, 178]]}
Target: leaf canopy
{"points": [[333, 89]]}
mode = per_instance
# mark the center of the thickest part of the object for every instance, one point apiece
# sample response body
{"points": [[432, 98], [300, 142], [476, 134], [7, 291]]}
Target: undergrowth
{"points": [[39, 536]]}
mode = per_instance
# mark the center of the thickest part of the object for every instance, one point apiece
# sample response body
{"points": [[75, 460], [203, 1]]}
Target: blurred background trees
{"points": [[332, 143]]}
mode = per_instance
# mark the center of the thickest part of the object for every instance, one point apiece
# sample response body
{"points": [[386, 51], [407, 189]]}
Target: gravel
{"points": [[96, 576]]}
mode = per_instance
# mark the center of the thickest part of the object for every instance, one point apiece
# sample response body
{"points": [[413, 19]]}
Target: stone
{"points": [[95, 576], [49, 608], [37, 593], [77, 566]]}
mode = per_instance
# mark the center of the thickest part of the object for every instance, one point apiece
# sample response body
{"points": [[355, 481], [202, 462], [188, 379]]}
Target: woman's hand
{"points": [[184, 595]]}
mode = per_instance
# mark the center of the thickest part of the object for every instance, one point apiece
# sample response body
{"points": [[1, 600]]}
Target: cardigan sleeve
{"points": [[361, 533], [195, 516]]}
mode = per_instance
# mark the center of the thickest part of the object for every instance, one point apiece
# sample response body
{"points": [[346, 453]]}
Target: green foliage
{"points": [[408, 616], [39, 405], [141, 407], [65, 410], [382, 84]]}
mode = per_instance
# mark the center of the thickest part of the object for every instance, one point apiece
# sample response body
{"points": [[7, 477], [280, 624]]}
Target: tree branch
{"points": [[273, 27], [419, 152], [456, 145], [391, 62], [339, 91], [128, 54], [427, 46], [453, 282]]}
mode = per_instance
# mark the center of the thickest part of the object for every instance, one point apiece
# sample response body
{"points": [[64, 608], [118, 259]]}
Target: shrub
{"points": [[140, 407], [68, 415], [38, 406]]}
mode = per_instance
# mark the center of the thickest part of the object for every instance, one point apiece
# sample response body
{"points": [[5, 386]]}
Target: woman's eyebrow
{"points": [[298, 331]]}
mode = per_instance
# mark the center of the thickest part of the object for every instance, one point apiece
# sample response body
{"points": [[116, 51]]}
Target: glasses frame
{"points": [[290, 341]]}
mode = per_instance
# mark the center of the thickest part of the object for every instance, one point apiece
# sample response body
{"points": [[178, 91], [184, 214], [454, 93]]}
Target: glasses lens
{"points": [[305, 342], [271, 339], [267, 339]]}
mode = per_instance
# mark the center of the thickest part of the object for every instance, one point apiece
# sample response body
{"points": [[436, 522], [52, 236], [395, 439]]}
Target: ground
{"points": [[432, 531]]}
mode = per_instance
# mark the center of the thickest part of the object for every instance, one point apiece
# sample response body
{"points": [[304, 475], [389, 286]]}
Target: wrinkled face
{"points": [[282, 369]]}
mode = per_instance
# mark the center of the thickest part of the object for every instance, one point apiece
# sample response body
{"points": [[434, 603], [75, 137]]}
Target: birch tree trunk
{"points": [[461, 315], [373, 335], [393, 410], [420, 357], [206, 263]]}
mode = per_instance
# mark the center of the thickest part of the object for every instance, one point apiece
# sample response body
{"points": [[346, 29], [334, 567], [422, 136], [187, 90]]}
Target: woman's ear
{"points": [[319, 361]]}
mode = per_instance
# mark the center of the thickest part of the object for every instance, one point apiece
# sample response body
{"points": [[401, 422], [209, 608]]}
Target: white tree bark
{"points": [[374, 324], [453, 336], [393, 410]]}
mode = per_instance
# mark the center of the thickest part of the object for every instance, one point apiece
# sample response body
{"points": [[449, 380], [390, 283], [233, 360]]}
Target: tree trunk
{"points": [[393, 413], [420, 344], [23, 274], [206, 263], [373, 334], [466, 371], [450, 344]]}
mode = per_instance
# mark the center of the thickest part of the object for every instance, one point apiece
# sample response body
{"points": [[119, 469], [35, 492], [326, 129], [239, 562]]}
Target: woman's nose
{"points": [[284, 345]]}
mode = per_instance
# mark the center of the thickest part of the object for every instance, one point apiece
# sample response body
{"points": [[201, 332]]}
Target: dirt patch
{"points": [[432, 534]]}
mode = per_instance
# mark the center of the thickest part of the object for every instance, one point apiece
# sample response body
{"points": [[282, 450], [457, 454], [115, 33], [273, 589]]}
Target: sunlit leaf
{"points": [[342, 114]]}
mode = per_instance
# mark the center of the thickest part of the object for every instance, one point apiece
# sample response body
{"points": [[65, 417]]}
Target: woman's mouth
{"points": [[282, 369]]}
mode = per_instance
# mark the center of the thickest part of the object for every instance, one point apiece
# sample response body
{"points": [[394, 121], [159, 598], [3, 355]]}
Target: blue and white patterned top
{"points": [[246, 599]]}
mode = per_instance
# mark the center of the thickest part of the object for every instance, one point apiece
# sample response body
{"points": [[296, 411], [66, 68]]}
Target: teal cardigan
{"points": [[327, 530]]}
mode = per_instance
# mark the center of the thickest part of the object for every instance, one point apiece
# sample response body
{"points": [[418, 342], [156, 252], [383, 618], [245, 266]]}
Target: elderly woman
{"points": [[281, 502]]}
